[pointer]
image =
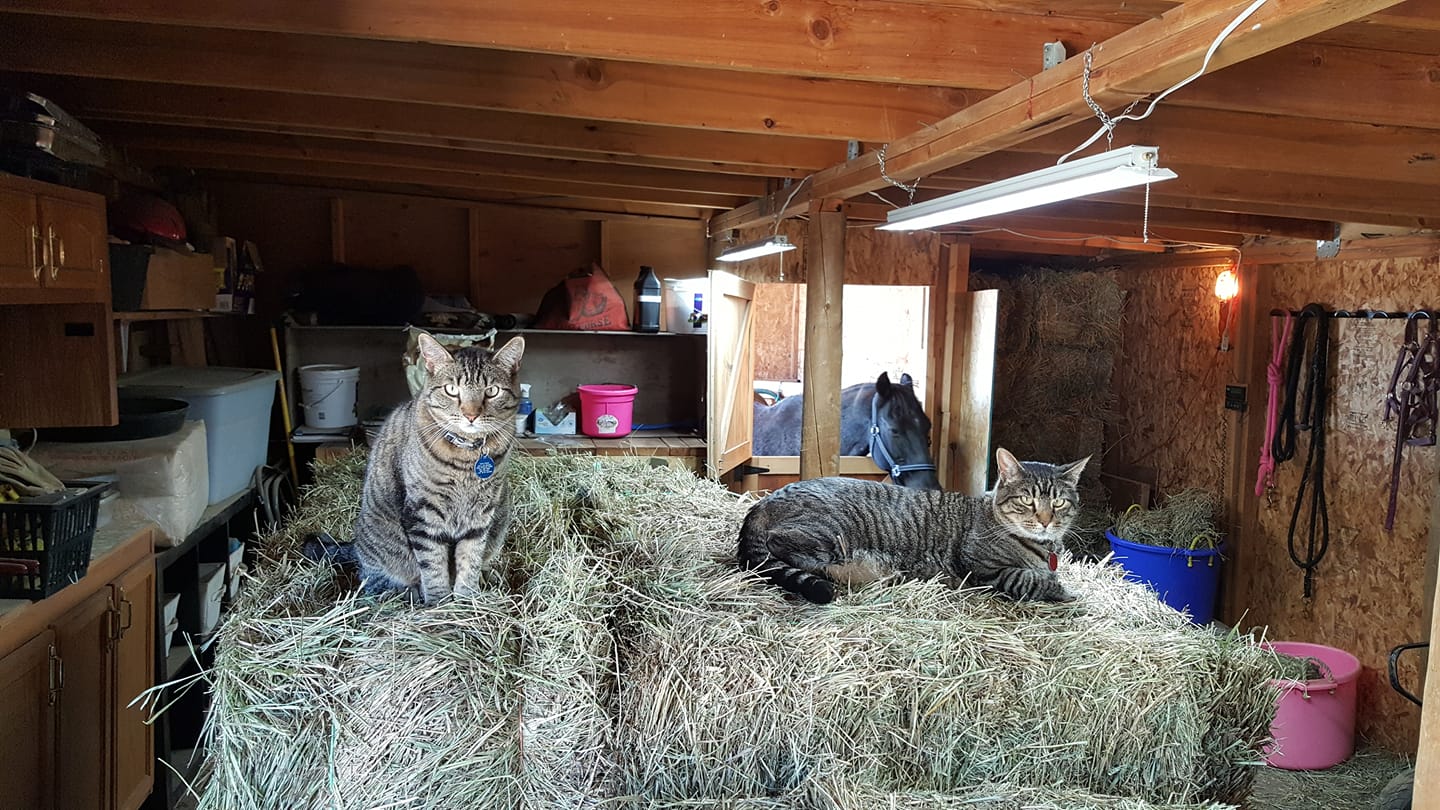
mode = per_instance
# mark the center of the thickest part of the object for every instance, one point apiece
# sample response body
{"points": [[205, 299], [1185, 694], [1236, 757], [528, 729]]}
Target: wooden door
{"points": [[19, 240], [731, 373], [134, 599], [87, 691], [27, 719], [74, 236]]}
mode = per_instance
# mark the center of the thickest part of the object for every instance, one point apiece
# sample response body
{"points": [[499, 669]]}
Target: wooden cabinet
{"points": [[67, 739], [52, 244], [27, 724]]}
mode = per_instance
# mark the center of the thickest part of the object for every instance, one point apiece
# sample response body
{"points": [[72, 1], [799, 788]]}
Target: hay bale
{"points": [[630, 658]]}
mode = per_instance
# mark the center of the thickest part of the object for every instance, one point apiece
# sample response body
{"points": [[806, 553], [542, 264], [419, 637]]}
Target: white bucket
{"points": [[684, 296], [327, 393]]}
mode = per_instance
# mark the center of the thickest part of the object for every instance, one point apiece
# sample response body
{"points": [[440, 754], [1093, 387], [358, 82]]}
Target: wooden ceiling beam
{"points": [[263, 111], [566, 207], [1329, 82], [888, 41], [697, 98], [1311, 196], [1266, 143], [182, 141], [534, 188], [1118, 219], [1145, 59]]}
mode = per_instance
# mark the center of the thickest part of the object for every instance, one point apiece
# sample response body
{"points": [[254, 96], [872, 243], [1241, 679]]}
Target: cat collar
{"points": [[463, 444]]}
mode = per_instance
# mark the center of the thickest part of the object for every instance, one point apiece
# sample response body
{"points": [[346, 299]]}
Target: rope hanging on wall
{"points": [[1311, 417]]}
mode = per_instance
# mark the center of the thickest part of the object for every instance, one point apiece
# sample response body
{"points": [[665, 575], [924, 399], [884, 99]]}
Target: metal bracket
{"points": [[852, 150], [1052, 54], [1327, 248], [746, 469]]}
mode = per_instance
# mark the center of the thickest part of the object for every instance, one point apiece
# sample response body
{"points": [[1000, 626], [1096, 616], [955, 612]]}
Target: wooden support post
{"points": [[1427, 758], [824, 299], [337, 230], [1247, 432]]}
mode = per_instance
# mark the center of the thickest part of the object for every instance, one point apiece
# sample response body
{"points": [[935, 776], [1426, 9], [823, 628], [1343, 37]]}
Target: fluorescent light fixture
{"points": [[1116, 169], [765, 247]]}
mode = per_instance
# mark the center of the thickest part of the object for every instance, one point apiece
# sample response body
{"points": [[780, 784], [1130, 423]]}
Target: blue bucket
{"points": [[1185, 579]]}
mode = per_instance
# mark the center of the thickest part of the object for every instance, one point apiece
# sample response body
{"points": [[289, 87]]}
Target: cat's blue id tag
{"points": [[484, 467]]}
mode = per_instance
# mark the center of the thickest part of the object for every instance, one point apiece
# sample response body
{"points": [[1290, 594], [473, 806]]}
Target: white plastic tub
{"points": [[235, 405], [212, 592]]}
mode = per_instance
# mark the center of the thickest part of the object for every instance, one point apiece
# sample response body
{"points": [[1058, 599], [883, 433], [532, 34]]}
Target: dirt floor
{"points": [[1351, 785]]}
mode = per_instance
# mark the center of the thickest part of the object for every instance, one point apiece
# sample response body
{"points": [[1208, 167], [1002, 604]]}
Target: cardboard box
{"points": [[544, 427], [144, 277]]}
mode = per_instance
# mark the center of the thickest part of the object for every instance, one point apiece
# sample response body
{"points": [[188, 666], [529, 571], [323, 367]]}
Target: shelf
{"points": [[176, 661], [166, 315], [211, 519]]}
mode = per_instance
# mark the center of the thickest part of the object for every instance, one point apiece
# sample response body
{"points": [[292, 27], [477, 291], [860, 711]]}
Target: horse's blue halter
{"points": [[880, 454]]}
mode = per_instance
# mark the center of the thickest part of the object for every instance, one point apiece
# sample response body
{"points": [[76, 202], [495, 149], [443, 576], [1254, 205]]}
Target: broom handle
{"points": [[284, 407]]}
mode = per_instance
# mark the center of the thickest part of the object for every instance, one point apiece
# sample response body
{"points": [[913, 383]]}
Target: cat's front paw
{"points": [[1062, 595]]}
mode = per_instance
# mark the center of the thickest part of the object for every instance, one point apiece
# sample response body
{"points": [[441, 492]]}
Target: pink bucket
{"points": [[605, 410], [1314, 726]]}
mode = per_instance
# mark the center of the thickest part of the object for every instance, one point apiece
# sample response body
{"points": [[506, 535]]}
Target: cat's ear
{"points": [[1008, 465], [882, 384], [509, 355], [433, 352], [1071, 472]]}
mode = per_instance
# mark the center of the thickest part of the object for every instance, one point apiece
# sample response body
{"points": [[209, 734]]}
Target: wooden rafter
{"points": [[1142, 60], [890, 41], [445, 181], [102, 100], [339, 150], [542, 84]]}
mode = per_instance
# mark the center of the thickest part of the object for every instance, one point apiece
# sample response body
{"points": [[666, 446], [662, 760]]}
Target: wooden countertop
{"points": [[650, 443], [117, 546]]}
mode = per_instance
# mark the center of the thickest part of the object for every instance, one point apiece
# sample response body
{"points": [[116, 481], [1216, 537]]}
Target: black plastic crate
{"points": [[49, 536]]}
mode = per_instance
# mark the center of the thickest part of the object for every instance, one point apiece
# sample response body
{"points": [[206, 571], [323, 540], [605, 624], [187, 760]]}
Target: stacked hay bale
{"points": [[1059, 332], [629, 658]]}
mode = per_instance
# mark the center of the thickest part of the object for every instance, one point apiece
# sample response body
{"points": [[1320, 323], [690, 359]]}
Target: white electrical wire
{"points": [[1204, 64]]}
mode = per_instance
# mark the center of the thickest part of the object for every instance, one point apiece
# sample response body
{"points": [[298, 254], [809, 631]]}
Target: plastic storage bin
{"points": [[235, 405], [212, 593]]}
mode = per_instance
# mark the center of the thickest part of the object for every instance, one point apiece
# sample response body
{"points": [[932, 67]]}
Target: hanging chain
{"points": [[1145, 218], [1105, 120], [911, 189]]}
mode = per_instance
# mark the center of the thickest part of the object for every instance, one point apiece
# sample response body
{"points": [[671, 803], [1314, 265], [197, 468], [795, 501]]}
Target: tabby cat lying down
{"points": [[811, 535]]}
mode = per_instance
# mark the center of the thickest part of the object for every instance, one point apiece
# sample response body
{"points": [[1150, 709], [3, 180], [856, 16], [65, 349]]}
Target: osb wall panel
{"points": [[1369, 589], [871, 256], [776, 327]]}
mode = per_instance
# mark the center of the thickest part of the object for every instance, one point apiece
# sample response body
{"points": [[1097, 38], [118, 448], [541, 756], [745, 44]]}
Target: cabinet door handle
{"points": [[37, 261], [127, 609], [57, 253], [57, 678]]}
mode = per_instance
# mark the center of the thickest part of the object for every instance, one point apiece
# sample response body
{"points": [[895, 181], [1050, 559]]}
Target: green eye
{"points": [[492, 392], [1059, 503], [451, 389], [1026, 500]]}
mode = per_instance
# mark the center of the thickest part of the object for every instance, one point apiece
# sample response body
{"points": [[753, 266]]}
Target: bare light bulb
{"points": [[1227, 285]]}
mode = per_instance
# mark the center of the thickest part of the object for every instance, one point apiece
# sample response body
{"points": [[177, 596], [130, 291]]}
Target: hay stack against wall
{"points": [[629, 658]]}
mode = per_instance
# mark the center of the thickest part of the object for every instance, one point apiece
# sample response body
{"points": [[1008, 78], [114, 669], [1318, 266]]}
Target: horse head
{"points": [[900, 435]]}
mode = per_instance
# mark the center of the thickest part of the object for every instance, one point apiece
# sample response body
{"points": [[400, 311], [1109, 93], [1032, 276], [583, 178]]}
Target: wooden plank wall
{"points": [[1370, 588]]}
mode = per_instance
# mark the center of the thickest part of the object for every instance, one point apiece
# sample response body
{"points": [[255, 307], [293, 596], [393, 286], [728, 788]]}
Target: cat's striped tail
{"points": [[754, 555], [321, 547]]}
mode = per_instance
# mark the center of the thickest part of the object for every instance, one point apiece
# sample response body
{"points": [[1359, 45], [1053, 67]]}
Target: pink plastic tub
{"points": [[605, 410], [1314, 726]]}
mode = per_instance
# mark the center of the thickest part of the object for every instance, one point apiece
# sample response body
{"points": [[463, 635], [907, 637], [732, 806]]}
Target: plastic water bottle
{"points": [[522, 415], [647, 301]]}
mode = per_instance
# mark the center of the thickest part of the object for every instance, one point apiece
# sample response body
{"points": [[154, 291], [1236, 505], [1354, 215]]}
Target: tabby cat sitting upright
{"points": [[436, 504], [813, 534]]}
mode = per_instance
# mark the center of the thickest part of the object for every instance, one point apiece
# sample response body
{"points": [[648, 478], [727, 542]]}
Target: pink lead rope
{"points": [[1274, 375]]}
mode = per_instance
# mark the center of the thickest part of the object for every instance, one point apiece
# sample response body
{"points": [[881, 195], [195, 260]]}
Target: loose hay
{"points": [[1186, 520], [630, 661]]}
